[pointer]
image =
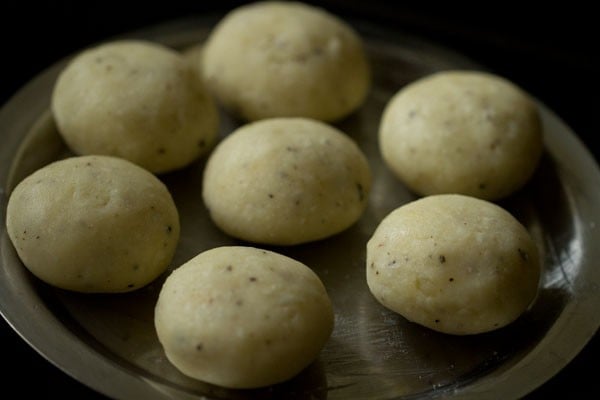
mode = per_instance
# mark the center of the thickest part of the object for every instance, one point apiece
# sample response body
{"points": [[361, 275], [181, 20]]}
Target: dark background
{"points": [[550, 51]]}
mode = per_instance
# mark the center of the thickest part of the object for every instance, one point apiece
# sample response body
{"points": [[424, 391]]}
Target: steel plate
{"points": [[108, 342]]}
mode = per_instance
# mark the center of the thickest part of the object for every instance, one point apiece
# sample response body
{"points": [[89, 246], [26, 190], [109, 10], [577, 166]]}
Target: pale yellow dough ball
{"points": [[453, 263], [286, 59], [242, 317], [286, 181], [136, 100], [93, 224], [464, 132]]}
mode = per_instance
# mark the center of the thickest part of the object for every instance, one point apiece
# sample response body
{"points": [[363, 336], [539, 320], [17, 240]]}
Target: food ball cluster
{"points": [[102, 220]]}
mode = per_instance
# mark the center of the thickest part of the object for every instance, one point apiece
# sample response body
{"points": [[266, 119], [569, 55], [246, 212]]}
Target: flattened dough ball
{"points": [[135, 100], [276, 59], [453, 263], [93, 224], [241, 317], [463, 132], [286, 181]]}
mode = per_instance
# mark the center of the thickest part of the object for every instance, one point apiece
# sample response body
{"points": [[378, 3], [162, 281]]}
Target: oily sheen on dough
{"points": [[464, 132], [136, 100], [242, 317], [93, 224], [286, 59], [453, 263], [286, 181]]}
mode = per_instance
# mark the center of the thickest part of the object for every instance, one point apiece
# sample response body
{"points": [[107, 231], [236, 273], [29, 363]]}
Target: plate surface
{"points": [[108, 341]]}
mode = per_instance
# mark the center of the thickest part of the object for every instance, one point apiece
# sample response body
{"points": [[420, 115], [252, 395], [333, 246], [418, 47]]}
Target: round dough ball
{"points": [[462, 132], [93, 224], [453, 263], [135, 100], [276, 59], [242, 317], [286, 181]]}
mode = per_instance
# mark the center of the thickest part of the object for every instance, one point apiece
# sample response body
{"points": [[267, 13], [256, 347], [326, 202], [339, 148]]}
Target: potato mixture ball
{"points": [[93, 224], [242, 317], [463, 132], [280, 59], [286, 181], [136, 100], [453, 263]]}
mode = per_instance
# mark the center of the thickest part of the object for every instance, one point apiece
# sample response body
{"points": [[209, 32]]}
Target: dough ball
{"points": [[276, 59], [242, 317], [286, 181], [462, 132], [453, 263], [93, 224], [135, 100]]}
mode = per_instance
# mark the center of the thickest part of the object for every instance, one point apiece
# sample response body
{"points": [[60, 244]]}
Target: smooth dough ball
{"points": [[462, 132], [286, 181], [135, 100], [93, 224], [453, 263], [276, 59], [242, 317]]}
